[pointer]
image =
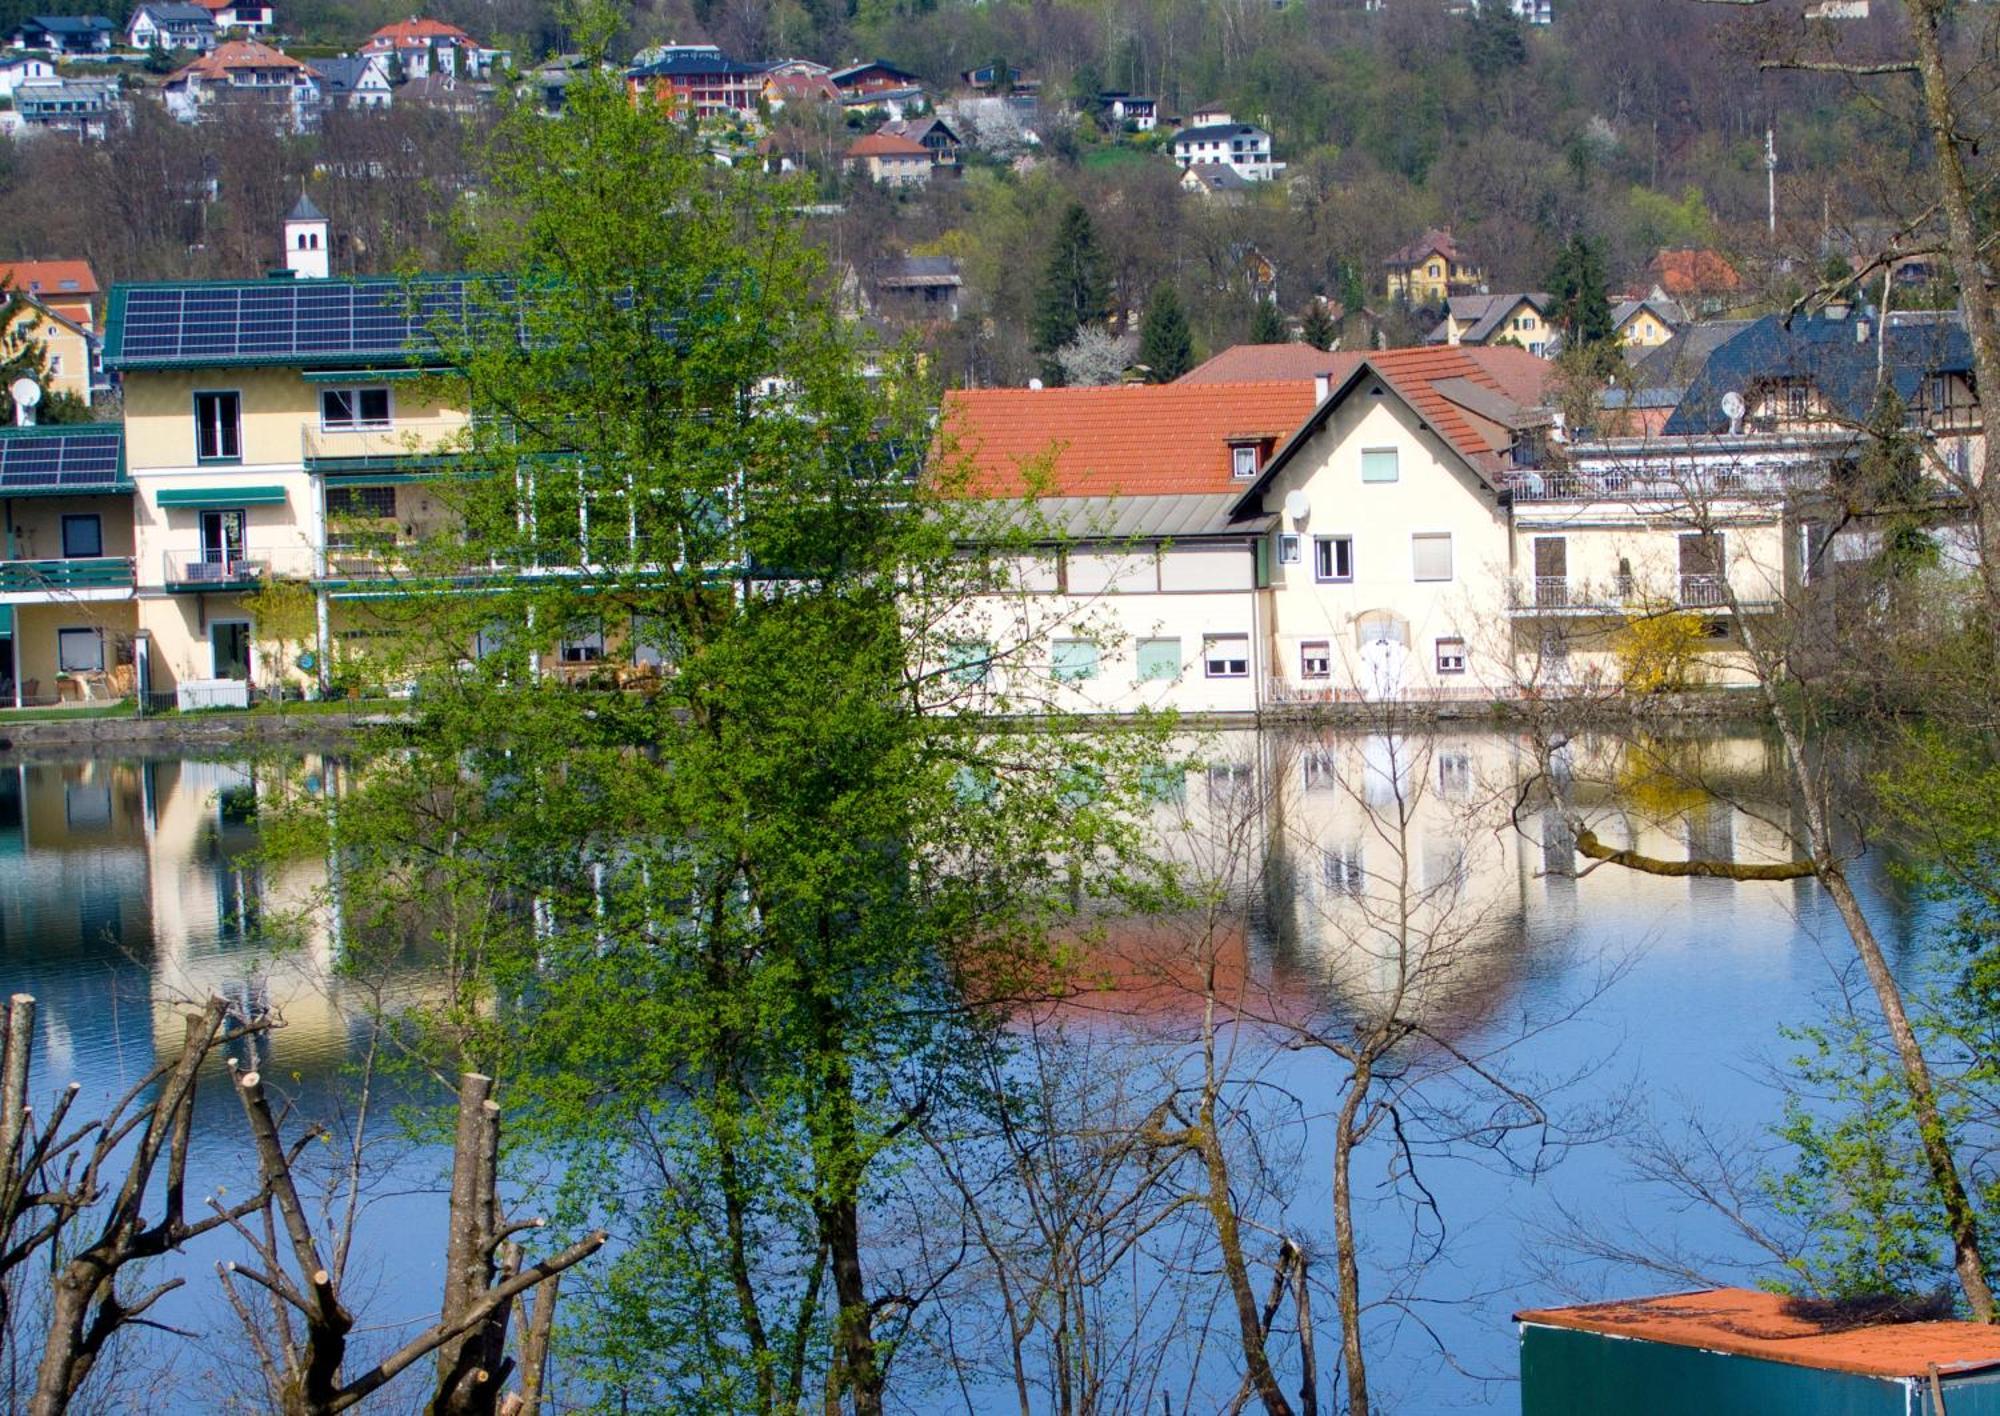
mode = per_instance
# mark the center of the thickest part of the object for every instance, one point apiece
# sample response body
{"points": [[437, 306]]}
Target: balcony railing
{"points": [[1618, 485], [399, 440], [1705, 592], [1558, 593], [220, 570], [61, 577]]}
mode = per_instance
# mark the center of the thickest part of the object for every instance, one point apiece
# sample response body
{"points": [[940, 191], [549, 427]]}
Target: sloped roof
{"points": [[1694, 272], [174, 12], [304, 210], [1248, 363], [1217, 176], [917, 129], [1129, 440], [682, 61], [1216, 132], [862, 66], [1668, 312], [1426, 380], [1674, 364], [1486, 312], [50, 279], [887, 145], [804, 86], [341, 75], [915, 271], [416, 33], [1746, 1323], [1437, 241], [239, 54], [1837, 355]]}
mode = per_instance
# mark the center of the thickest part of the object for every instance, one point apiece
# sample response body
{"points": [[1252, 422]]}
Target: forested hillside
{"points": [[1640, 123]]}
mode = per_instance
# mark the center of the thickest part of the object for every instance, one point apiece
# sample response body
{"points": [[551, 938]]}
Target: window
{"points": [[583, 647], [218, 435], [1378, 464], [345, 409], [970, 661], [490, 640], [1226, 655], [1451, 655], [80, 651], [1243, 461], [649, 642], [1341, 870], [1159, 659], [1455, 773], [1430, 555], [1315, 659], [1333, 558], [1288, 548], [82, 536], [55, 366], [377, 502], [1797, 400], [1073, 660]]}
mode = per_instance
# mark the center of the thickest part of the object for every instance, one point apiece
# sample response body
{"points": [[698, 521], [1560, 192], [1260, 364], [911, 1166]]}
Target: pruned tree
{"points": [[301, 1341], [77, 1197]]}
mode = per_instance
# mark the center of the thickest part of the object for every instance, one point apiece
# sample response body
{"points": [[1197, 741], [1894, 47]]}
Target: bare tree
{"points": [[302, 1342]]}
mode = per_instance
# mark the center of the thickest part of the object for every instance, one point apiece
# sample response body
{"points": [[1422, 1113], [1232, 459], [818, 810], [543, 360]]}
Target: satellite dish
{"points": [[1733, 406], [26, 392], [1297, 504]]}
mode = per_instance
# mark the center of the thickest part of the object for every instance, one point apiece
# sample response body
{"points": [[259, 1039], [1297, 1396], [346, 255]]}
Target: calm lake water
{"points": [[124, 886]]}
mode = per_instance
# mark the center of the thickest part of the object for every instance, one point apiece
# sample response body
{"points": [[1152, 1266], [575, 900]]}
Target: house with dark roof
{"points": [[698, 79], [1136, 113], [933, 133], [1646, 321], [868, 76], [1217, 182], [1244, 148], [84, 107], [355, 81], [171, 25], [77, 35], [1519, 317], [921, 287], [247, 17]]}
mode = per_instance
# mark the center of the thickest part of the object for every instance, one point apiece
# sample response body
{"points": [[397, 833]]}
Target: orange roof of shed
{"points": [[1746, 1323], [1128, 440]]}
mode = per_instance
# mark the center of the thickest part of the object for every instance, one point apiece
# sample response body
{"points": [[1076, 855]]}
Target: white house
{"points": [[172, 26], [17, 69], [355, 81], [1243, 147], [245, 70]]}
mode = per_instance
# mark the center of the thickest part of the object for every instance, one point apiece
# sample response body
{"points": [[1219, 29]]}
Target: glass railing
{"points": [[382, 442]]}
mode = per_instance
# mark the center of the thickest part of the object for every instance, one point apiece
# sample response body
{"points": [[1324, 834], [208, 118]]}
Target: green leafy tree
{"points": [[158, 61], [1319, 328], [1075, 290], [1166, 349], [23, 355], [1580, 289], [719, 865], [1267, 326]]}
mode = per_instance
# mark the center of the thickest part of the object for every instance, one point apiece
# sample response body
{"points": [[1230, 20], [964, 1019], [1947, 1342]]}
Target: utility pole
{"points": [[1771, 176]]}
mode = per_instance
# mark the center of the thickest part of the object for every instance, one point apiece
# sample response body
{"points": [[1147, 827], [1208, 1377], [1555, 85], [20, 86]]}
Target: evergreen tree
{"points": [[22, 355], [1165, 347], [1578, 284], [1319, 329], [1268, 326], [1075, 289]]}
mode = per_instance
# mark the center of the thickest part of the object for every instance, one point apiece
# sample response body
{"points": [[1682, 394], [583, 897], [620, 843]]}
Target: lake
{"points": [[127, 884]]}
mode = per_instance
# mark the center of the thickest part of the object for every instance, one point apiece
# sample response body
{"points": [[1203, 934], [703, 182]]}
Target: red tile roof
{"points": [[887, 145], [1247, 363], [50, 280], [1130, 440], [415, 33], [1751, 1324], [239, 54], [1415, 373], [1695, 272]]}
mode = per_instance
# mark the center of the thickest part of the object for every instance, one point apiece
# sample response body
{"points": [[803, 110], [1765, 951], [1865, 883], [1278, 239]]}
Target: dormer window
{"points": [[1243, 461]]}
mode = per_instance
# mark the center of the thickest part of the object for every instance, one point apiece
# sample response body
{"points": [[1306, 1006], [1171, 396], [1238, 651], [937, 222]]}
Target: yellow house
{"points": [[68, 350], [1520, 318], [1647, 323], [253, 411], [1432, 269]]}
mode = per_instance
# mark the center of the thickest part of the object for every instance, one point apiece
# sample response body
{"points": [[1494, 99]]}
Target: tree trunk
{"points": [[1347, 1262], [1229, 1238]]}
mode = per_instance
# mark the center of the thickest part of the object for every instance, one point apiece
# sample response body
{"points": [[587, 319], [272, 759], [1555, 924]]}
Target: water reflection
{"points": [[1349, 866]]}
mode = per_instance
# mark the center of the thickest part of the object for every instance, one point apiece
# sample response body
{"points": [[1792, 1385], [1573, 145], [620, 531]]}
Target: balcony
{"points": [[1560, 595], [403, 442], [1672, 490], [76, 578], [199, 570]]}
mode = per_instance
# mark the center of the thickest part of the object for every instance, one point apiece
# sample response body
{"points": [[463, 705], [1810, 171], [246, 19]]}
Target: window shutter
{"points": [[1261, 549]]}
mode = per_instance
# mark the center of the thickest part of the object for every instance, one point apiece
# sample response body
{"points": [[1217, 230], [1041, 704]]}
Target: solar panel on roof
{"points": [[73, 461], [280, 320]]}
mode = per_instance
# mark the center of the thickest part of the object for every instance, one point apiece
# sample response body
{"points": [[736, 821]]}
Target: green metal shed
{"points": [[1737, 1352]]}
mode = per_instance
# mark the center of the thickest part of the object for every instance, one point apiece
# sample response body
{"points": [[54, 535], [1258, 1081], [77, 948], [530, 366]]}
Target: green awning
{"points": [[222, 496], [362, 376], [6, 620]]}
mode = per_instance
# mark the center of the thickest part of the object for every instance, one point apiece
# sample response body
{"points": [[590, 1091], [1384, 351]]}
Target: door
{"points": [[229, 643], [1551, 572], [221, 541]]}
